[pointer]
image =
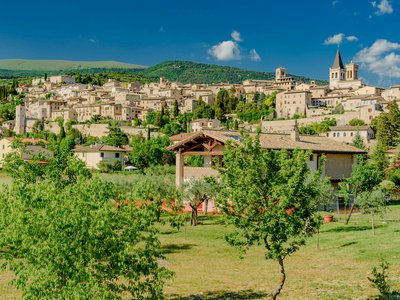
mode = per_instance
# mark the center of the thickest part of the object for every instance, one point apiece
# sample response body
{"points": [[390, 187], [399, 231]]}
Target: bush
{"points": [[379, 280], [109, 167], [356, 122]]}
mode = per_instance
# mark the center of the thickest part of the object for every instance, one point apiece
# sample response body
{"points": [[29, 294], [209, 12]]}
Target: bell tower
{"points": [[280, 73], [336, 72], [352, 71]]}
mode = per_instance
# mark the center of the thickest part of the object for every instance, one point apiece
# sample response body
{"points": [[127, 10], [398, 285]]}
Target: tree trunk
{"points": [[373, 223], [205, 206], [193, 220], [351, 211], [277, 291]]}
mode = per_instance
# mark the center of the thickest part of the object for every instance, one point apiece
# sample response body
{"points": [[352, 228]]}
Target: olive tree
{"points": [[269, 198], [196, 192], [372, 202], [159, 190], [74, 242]]}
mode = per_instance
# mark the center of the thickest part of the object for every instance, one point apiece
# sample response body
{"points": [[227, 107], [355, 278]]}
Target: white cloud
{"points": [[381, 58], [337, 39], [236, 36], [226, 50], [254, 56], [93, 40], [352, 38], [334, 2], [384, 7], [230, 50]]}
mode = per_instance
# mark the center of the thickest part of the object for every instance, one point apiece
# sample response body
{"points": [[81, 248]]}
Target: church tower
{"points": [[352, 71], [280, 73], [20, 119], [337, 72]]}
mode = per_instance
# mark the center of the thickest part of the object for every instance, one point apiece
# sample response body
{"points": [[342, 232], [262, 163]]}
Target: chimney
{"points": [[294, 134]]}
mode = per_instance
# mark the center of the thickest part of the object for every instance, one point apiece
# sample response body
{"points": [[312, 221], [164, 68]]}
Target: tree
{"points": [[74, 242], [388, 127], [318, 127], [364, 177], [356, 122], [235, 125], [196, 192], [269, 198], [115, 137], [372, 202], [358, 142], [61, 134], [150, 152], [379, 158], [159, 190], [326, 198], [176, 108]]}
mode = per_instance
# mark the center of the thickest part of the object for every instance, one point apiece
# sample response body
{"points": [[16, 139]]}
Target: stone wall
{"points": [[284, 126], [98, 130]]}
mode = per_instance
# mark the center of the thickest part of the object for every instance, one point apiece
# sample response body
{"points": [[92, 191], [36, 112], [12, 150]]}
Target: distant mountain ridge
{"points": [[57, 65], [193, 72], [181, 71]]}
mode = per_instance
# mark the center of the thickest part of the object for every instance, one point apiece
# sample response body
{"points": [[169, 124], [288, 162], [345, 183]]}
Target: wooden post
{"points": [[179, 169]]}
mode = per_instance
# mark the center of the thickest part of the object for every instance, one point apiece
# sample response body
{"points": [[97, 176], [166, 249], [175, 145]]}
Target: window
{"points": [[101, 154], [334, 134], [116, 155], [351, 134], [311, 157], [344, 134]]}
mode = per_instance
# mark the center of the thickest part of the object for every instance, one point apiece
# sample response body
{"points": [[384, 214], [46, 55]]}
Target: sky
{"points": [[301, 35]]}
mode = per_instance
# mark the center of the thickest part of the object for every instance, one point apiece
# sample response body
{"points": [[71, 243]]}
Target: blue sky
{"points": [[257, 35]]}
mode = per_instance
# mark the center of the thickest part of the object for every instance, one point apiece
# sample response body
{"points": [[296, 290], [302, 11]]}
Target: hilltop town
{"points": [[346, 99]]}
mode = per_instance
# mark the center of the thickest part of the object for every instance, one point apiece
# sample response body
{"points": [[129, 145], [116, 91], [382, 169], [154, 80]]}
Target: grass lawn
{"points": [[207, 268]]}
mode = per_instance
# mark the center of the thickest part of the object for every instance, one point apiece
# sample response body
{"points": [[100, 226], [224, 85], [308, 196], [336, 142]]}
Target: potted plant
{"points": [[328, 218]]}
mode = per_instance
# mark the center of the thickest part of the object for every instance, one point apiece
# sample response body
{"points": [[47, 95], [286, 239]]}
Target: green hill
{"points": [[192, 72], [56, 65], [181, 71]]}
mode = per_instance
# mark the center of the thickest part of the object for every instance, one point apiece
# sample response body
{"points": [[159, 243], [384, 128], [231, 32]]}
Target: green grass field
{"points": [[207, 268]]}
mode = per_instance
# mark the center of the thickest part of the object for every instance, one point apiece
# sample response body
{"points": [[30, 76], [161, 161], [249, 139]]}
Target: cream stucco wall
{"points": [[92, 159]]}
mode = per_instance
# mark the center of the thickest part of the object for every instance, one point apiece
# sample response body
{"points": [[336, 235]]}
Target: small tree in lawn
{"points": [[364, 177], [372, 202], [326, 198], [196, 192], [269, 198]]}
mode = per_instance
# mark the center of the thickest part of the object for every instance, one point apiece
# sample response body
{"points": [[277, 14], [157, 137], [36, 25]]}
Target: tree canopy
{"points": [[270, 199]]}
